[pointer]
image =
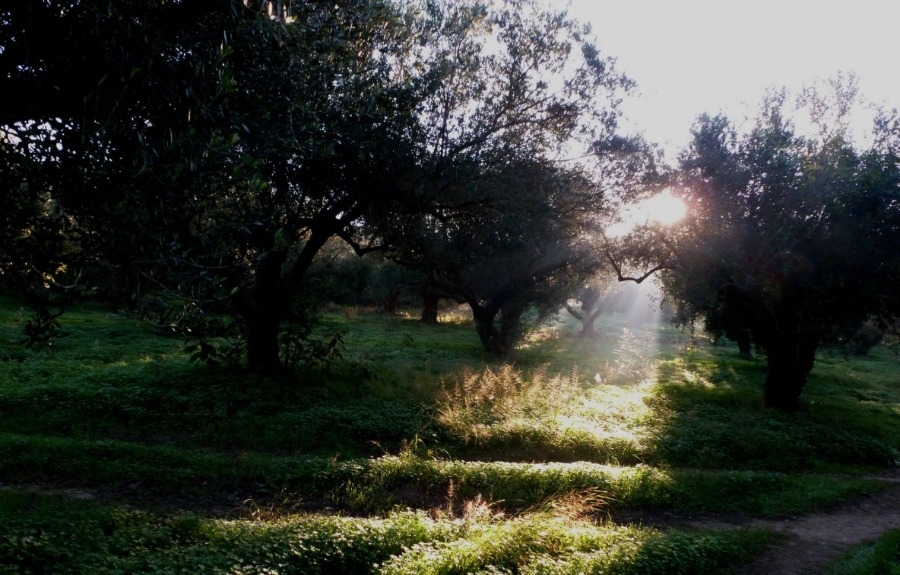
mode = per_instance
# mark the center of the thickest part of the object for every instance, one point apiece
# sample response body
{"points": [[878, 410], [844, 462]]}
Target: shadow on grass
{"points": [[708, 413]]}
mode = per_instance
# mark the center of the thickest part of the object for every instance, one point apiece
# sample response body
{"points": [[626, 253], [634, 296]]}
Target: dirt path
{"points": [[810, 542]]}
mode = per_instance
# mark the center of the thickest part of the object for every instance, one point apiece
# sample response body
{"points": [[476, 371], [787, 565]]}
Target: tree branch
{"points": [[357, 247], [575, 313], [639, 279]]}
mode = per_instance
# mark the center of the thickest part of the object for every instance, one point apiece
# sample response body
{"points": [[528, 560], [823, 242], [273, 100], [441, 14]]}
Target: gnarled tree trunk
{"points": [[266, 304], [789, 359], [430, 302], [262, 309], [587, 320], [498, 340], [490, 336], [263, 329]]}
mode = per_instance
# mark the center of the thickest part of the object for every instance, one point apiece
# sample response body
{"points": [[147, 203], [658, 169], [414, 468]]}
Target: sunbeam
{"points": [[637, 335]]}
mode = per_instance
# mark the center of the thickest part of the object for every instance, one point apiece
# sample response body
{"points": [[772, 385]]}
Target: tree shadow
{"points": [[707, 412]]}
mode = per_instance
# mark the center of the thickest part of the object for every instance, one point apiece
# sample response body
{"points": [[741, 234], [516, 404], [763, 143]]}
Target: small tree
{"points": [[514, 249]]}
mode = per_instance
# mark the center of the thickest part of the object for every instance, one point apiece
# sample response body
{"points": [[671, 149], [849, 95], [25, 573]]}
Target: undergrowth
{"points": [[445, 459], [44, 534]]}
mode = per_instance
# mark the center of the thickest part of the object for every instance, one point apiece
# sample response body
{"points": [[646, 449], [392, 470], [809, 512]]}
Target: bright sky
{"points": [[696, 56]]}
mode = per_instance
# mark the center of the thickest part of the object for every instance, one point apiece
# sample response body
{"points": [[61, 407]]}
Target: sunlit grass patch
{"points": [[53, 533], [379, 484], [549, 544], [703, 410], [707, 413], [535, 415], [548, 452]]}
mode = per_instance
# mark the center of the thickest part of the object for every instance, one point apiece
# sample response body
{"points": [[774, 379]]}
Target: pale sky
{"points": [[696, 56]]}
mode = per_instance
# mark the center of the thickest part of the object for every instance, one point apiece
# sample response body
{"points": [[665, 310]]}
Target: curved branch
{"points": [[639, 279]]}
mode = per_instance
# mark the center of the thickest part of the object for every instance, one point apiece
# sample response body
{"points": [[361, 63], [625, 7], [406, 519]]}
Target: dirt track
{"points": [[810, 542]]}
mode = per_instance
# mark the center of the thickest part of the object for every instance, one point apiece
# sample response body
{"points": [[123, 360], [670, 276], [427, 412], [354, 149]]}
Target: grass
{"points": [[53, 534], [881, 557], [416, 453]]}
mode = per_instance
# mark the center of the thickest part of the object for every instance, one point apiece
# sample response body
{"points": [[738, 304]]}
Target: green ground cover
{"points": [[416, 453]]}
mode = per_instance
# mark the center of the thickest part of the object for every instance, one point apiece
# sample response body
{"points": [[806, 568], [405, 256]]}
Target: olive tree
{"points": [[213, 148], [506, 213], [789, 237]]}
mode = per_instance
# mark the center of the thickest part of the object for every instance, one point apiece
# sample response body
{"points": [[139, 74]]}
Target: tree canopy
{"points": [[209, 150], [789, 237]]}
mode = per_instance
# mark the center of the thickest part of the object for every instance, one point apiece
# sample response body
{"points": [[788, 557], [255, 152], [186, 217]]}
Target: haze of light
{"points": [[708, 56], [663, 208]]}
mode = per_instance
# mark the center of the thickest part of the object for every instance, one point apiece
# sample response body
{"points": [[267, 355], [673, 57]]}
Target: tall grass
{"points": [[704, 412]]}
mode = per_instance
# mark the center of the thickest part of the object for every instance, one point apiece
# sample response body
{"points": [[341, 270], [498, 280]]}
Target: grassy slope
{"points": [[506, 465]]}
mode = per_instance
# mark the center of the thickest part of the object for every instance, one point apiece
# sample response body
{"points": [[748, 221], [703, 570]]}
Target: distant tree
{"points": [[789, 238], [519, 252], [601, 296]]}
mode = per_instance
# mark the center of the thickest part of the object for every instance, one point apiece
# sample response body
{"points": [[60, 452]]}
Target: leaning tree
{"points": [[789, 237]]}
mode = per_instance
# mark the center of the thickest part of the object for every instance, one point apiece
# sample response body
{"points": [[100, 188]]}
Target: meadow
{"points": [[414, 452]]}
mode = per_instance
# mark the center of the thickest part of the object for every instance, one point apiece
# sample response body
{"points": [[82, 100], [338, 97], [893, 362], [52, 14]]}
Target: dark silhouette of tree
{"points": [[505, 211], [209, 150], [213, 148], [789, 237]]}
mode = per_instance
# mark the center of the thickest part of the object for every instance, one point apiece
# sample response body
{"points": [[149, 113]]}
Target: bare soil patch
{"points": [[808, 543]]}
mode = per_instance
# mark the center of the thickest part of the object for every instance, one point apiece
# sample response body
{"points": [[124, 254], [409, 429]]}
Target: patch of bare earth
{"points": [[808, 543], [804, 544]]}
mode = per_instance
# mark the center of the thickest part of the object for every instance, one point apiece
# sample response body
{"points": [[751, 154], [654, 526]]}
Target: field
{"points": [[646, 450]]}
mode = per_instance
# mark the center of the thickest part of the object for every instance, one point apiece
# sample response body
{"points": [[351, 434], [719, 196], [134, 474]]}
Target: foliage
{"points": [[503, 222], [789, 237], [217, 147], [221, 480], [219, 150]]}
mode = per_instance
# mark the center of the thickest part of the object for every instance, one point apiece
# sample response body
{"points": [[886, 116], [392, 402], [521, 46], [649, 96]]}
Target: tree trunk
{"points": [[389, 304], [491, 337], [262, 341], [430, 307], [511, 325], [262, 311], [745, 344], [268, 302], [587, 321], [587, 325], [789, 359]]}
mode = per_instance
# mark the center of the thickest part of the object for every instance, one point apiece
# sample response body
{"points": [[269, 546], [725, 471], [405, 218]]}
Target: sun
{"points": [[663, 208]]}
